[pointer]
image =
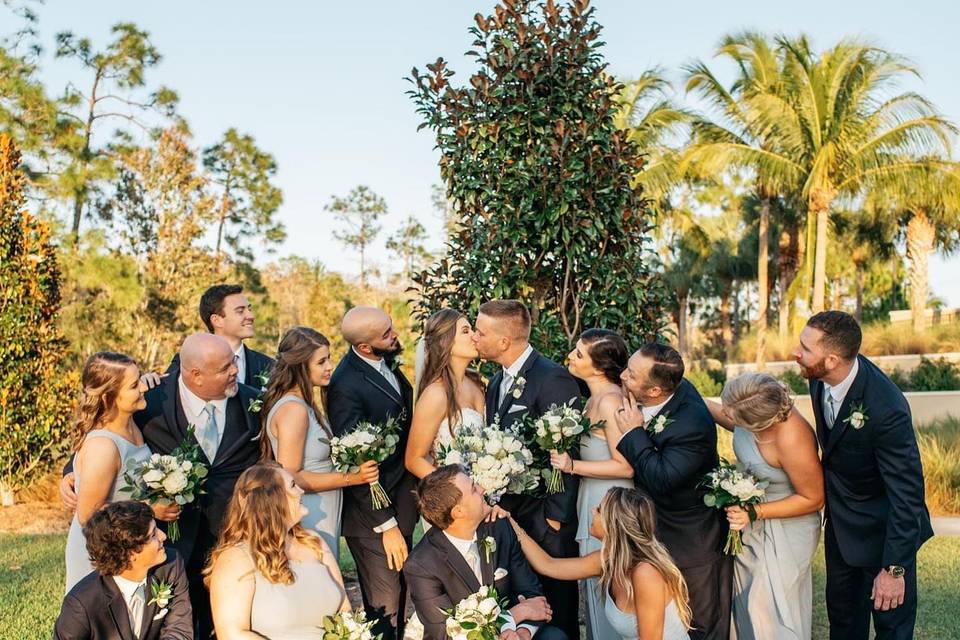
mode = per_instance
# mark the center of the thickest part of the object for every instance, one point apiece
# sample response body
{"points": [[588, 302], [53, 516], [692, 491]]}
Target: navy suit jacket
{"points": [[668, 466], [439, 577], [95, 609], [358, 393], [546, 384], [872, 475]]}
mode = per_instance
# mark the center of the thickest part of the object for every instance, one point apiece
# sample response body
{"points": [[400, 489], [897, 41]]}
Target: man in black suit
{"points": [[876, 518], [227, 313], [670, 440], [368, 386], [117, 601], [461, 553], [205, 394], [528, 385]]}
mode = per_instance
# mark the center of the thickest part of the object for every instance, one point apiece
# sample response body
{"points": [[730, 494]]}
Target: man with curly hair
{"points": [[139, 589]]}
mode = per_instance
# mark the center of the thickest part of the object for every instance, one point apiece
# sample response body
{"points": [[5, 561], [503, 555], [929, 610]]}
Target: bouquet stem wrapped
{"points": [[729, 485], [364, 443]]}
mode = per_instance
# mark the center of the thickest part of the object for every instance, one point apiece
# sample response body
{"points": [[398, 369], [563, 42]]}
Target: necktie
{"points": [[473, 559], [829, 411], [389, 375], [505, 386], [136, 610], [210, 439]]}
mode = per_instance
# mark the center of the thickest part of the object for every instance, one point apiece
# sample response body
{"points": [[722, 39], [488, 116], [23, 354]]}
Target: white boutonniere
{"points": [[659, 423], [162, 593], [256, 404], [489, 546], [858, 416], [518, 386]]}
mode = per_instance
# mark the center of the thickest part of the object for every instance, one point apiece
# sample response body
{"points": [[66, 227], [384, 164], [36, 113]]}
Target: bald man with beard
{"points": [[368, 386]]}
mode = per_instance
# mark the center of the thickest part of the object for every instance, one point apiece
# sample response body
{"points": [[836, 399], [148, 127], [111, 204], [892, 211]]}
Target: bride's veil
{"points": [[419, 362]]}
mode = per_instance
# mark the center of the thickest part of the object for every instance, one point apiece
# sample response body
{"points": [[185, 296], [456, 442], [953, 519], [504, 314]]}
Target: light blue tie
{"points": [[210, 439], [830, 412]]}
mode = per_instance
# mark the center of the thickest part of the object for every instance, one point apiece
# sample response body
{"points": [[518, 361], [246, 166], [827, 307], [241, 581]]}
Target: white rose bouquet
{"points": [[349, 626], [479, 616], [364, 443], [729, 485], [176, 477], [496, 460], [560, 430]]}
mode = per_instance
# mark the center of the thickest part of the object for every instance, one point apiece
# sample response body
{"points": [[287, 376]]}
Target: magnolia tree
{"points": [[540, 179]]}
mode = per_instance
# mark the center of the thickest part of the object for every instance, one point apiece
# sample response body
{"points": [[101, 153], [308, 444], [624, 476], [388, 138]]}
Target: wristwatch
{"points": [[896, 571]]}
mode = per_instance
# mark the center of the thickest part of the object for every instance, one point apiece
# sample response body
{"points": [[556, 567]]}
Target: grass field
{"points": [[31, 587]]}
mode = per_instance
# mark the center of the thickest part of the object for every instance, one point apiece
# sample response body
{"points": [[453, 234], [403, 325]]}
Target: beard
{"points": [[390, 353], [813, 372], [231, 390]]}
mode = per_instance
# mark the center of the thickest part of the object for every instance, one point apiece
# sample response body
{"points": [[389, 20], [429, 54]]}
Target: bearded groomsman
{"points": [[528, 384], [876, 518], [368, 386]]}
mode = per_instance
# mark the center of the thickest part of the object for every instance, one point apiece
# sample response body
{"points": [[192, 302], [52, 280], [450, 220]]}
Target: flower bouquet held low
{"points": [[479, 616], [730, 486], [364, 443], [560, 430], [173, 478], [495, 459], [349, 626]]}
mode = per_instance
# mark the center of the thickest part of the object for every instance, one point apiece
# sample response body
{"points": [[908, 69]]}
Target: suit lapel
{"points": [[508, 398], [117, 607], [149, 609], [250, 425], [173, 413], [817, 400], [486, 566], [854, 395], [493, 394], [375, 378], [456, 561]]}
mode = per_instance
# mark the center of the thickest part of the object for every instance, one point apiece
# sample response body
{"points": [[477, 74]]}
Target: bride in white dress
{"points": [[448, 397]]}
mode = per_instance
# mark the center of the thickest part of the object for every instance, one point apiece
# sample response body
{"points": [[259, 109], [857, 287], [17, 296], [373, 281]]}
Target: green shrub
{"points": [[935, 375], [901, 379], [796, 382], [705, 383]]}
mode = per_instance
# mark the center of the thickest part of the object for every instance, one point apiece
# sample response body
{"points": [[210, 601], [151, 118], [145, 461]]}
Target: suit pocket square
{"points": [[160, 615], [517, 407], [256, 437], [499, 574]]}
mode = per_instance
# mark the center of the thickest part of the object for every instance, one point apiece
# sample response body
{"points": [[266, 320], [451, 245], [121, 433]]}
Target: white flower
{"points": [[857, 420], [174, 483], [153, 477], [186, 465], [155, 457], [488, 606], [453, 457]]}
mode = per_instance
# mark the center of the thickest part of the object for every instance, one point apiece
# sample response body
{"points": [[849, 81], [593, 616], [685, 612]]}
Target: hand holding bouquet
{"points": [[349, 626], [364, 443], [728, 485], [479, 616], [559, 430], [174, 478], [495, 459]]}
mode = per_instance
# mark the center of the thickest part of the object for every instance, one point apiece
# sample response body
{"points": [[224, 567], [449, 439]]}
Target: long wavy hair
{"points": [[629, 523], [756, 401], [101, 380], [292, 371], [257, 518], [438, 336]]}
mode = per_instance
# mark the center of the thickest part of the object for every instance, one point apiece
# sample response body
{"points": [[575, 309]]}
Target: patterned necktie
{"points": [[210, 439], [136, 610], [829, 411]]}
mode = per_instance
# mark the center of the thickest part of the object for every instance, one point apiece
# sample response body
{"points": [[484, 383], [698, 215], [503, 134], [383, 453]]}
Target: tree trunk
{"points": [[363, 265], [682, 324], [820, 259], [763, 291], [726, 329], [921, 235], [859, 276], [784, 309]]}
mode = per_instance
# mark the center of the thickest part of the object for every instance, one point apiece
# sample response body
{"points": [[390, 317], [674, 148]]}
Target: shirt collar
{"points": [[839, 392], [463, 546], [194, 404], [376, 364], [650, 412], [128, 587], [514, 369], [239, 351]]}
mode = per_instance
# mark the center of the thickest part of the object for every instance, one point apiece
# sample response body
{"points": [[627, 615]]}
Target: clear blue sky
{"points": [[321, 84]]}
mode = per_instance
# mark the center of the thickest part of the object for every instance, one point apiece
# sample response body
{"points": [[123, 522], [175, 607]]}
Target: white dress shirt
{"points": [[194, 408], [241, 359], [129, 588], [468, 548], [510, 373], [381, 367], [649, 413], [839, 392]]}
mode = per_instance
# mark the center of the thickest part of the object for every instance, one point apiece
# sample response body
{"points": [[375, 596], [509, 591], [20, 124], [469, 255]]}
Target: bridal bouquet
{"points": [[497, 460], [364, 443], [176, 477], [349, 626], [729, 485], [559, 429], [479, 616]]}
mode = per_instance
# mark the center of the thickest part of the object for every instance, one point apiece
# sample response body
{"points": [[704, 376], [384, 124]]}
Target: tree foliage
{"points": [[541, 178], [35, 391], [360, 211]]}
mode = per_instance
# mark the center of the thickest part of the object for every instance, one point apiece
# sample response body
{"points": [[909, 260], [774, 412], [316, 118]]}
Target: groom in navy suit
{"points": [[876, 518], [528, 385]]}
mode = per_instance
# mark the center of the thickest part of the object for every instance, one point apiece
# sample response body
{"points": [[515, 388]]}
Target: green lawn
{"points": [[31, 587]]}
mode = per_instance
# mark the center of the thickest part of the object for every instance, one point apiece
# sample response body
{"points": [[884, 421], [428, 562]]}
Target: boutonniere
{"points": [[256, 404], [518, 386], [489, 546], [396, 363], [858, 416], [162, 593], [659, 423], [264, 379]]}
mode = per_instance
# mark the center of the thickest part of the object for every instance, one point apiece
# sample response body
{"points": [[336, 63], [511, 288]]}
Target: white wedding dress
{"points": [[468, 417]]}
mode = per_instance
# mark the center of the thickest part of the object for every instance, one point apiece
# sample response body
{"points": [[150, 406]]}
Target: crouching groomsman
{"points": [[139, 589], [876, 518], [461, 553]]}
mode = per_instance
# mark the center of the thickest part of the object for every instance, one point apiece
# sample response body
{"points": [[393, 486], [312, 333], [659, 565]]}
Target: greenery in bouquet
{"points": [[348, 625], [729, 485], [497, 460], [560, 430], [366, 442], [479, 616]]}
